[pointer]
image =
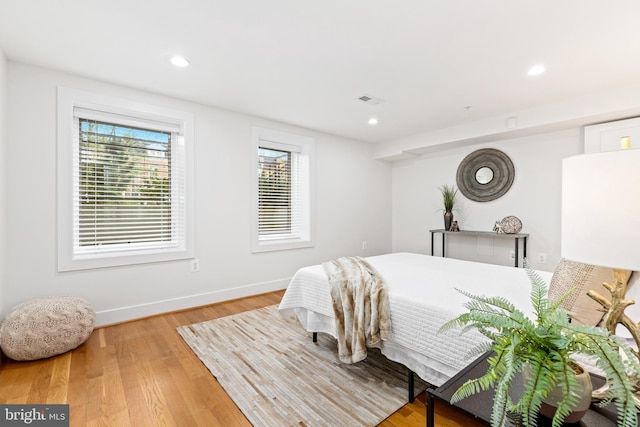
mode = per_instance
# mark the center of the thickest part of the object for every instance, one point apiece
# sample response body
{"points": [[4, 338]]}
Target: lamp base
{"points": [[615, 308], [614, 316], [603, 393]]}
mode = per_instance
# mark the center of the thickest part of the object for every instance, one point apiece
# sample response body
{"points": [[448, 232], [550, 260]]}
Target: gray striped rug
{"points": [[278, 377]]}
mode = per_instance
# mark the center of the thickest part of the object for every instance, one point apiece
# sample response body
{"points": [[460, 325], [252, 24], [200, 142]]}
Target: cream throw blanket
{"points": [[361, 306]]}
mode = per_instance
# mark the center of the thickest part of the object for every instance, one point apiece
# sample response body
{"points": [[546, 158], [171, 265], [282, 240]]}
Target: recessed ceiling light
{"points": [[179, 61], [536, 70], [373, 121]]}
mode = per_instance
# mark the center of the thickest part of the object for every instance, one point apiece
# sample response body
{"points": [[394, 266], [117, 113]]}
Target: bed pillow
{"points": [[583, 278]]}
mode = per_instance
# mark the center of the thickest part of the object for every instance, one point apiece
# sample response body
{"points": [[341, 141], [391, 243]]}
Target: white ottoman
{"points": [[45, 327]]}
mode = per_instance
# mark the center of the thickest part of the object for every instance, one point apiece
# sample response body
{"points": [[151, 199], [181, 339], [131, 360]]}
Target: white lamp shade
{"points": [[601, 209]]}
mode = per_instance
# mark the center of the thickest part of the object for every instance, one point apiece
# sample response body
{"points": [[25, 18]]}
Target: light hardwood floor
{"points": [[141, 373]]}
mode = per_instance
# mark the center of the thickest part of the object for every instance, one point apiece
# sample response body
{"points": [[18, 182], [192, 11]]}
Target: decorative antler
{"points": [[614, 310]]}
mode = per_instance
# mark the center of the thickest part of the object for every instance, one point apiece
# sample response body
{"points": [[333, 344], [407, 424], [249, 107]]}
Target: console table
{"points": [[479, 406], [469, 233]]}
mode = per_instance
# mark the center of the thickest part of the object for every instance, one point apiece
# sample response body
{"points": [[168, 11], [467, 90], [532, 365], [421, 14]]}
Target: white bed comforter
{"points": [[422, 297]]}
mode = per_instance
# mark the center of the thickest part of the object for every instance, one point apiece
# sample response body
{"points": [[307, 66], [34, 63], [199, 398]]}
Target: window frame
{"points": [[129, 112], [304, 149]]}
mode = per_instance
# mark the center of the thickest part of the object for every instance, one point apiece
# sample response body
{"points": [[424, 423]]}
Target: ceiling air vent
{"points": [[371, 100]]}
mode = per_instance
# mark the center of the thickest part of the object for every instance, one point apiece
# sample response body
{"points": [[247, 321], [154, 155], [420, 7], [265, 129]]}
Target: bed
{"points": [[422, 297]]}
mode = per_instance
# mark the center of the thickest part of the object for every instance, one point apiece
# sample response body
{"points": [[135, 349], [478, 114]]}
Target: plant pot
{"points": [[549, 405], [448, 217]]}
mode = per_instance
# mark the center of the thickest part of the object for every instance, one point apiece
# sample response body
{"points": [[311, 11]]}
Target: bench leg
{"points": [[430, 411], [410, 386]]}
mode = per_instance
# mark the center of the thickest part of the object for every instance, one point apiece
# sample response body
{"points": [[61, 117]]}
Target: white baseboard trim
{"points": [[123, 314]]}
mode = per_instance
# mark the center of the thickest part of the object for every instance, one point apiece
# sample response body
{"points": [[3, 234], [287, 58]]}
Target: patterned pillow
{"points": [[583, 278]]}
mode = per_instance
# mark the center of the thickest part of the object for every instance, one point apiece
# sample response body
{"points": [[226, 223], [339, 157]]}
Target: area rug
{"points": [[278, 377]]}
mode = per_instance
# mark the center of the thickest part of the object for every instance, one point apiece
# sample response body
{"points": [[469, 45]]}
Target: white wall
{"points": [[3, 169], [534, 197], [353, 202]]}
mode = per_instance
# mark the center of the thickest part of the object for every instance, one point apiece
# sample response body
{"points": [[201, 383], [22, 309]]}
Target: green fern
{"points": [[545, 345]]}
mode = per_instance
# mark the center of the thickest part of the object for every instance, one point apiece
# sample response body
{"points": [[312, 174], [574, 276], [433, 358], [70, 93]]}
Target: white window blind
{"points": [[275, 213], [125, 195], [283, 213]]}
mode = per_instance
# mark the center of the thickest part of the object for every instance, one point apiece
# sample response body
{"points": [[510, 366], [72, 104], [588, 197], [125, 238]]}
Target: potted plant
{"points": [[449, 193], [543, 347]]}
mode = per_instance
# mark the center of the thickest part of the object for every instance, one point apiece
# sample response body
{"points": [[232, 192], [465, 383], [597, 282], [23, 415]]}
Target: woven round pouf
{"points": [[46, 327]]}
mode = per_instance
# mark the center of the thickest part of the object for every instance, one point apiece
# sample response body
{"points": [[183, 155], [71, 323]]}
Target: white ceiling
{"points": [[305, 62]]}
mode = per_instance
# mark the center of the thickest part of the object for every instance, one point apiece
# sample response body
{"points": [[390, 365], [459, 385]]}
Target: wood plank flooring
{"points": [[141, 373]]}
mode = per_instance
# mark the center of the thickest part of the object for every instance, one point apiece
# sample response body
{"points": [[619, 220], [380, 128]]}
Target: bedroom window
{"points": [[124, 183], [282, 197]]}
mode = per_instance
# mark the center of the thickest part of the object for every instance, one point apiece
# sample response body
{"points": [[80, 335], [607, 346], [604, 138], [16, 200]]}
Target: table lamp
{"points": [[601, 210], [601, 223]]}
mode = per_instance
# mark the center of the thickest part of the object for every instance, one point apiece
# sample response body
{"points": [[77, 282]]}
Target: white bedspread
{"points": [[422, 298]]}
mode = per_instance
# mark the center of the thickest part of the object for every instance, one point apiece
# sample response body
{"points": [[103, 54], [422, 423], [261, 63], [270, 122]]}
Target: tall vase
{"points": [[448, 217]]}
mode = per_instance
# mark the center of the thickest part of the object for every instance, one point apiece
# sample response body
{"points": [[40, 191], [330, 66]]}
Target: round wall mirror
{"points": [[485, 175]]}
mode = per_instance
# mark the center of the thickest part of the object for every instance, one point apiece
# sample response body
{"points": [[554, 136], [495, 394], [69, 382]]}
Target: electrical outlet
{"points": [[364, 244], [512, 255], [195, 265], [542, 258]]}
